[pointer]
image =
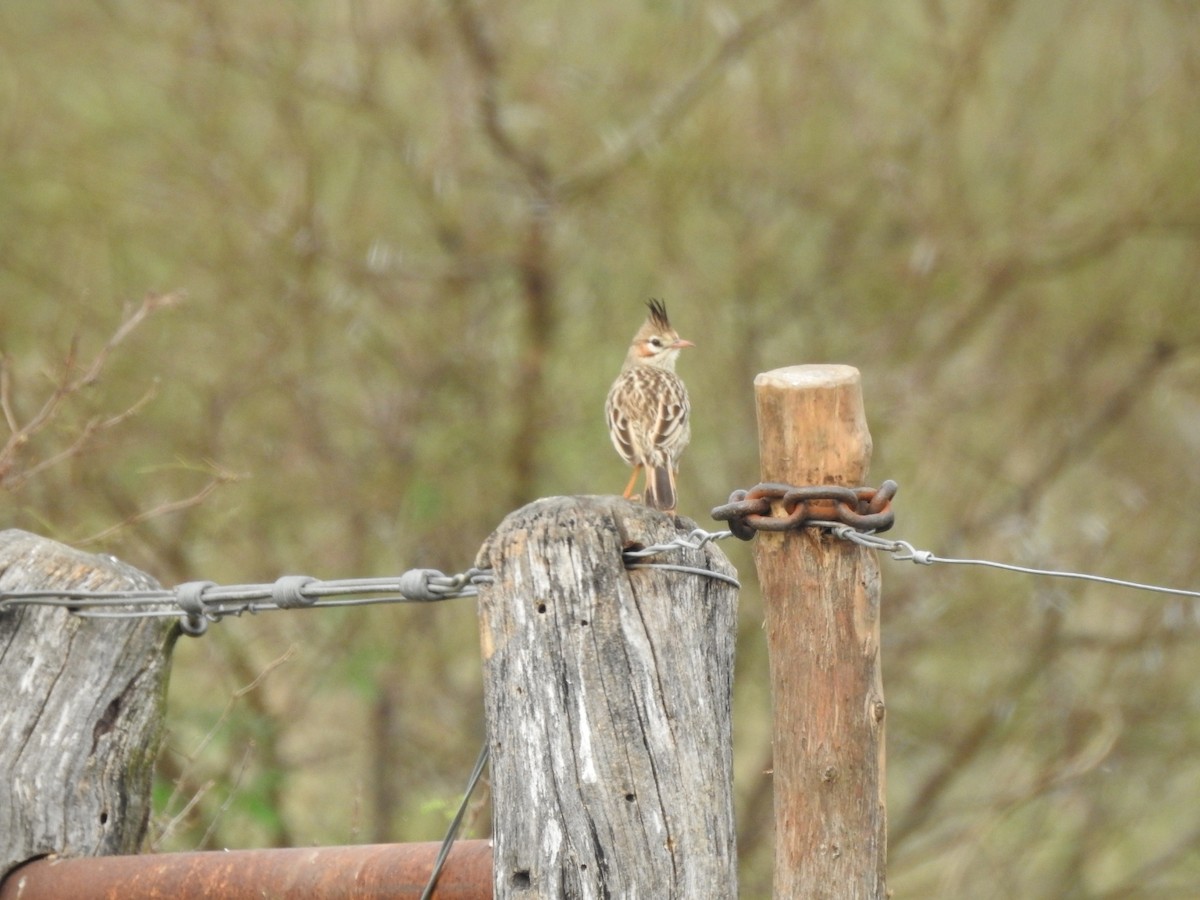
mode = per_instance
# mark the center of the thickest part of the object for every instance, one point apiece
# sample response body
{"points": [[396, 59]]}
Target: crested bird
{"points": [[647, 409]]}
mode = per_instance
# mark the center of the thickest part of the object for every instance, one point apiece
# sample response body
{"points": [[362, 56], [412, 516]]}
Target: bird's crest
{"points": [[658, 315]]}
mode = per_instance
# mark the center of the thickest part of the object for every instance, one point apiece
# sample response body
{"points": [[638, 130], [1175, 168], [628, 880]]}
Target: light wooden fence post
{"points": [[81, 718], [608, 698], [821, 598]]}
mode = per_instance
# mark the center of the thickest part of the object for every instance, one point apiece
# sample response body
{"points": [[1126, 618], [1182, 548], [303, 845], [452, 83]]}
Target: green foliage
{"points": [[413, 240]]}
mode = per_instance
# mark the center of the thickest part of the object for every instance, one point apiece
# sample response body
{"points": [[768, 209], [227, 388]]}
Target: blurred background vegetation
{"points": [[329, 288]]}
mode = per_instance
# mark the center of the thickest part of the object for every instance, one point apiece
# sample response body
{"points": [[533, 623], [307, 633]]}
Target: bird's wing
{"points": [[618, 422], [671, 431]]}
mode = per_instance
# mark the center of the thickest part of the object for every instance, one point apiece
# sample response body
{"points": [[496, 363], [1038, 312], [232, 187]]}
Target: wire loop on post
{"points": [[693, 540], [190, 598]]}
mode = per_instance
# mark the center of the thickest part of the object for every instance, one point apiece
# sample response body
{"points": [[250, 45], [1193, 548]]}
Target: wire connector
{"points": [[198, 603]]}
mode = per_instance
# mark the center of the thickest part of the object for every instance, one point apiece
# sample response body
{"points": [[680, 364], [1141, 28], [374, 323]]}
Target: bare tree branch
{"points": [[977, 737], [485, 60], [71, 382], [676, 101], [221, 477]]}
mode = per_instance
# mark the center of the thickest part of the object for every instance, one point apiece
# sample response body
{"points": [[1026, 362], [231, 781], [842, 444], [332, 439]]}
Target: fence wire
{"points": [[197, 603], [904, 551], [858, 515]]}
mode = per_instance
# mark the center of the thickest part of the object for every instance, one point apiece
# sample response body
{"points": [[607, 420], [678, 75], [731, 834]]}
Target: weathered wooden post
{"points": [[81, 718], [821, 597], [80, 727], [608, 700]]}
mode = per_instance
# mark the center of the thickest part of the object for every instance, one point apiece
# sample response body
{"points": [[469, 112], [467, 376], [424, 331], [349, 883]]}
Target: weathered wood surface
{"points": [[608, 699], [821, 598], [81, 716]]}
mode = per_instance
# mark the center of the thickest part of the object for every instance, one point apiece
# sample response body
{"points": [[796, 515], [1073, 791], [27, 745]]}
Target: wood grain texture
{"points": [[81, 720], [821, 597], [608, 698]]}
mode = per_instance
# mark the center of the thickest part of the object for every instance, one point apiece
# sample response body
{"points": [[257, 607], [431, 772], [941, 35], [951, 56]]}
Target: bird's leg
{"points": [[637, 470]]}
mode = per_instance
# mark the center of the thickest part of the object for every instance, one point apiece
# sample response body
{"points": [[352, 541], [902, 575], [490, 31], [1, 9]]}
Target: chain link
{"points": [[863, 509]]}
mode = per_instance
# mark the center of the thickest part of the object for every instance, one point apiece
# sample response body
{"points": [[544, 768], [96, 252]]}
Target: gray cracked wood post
{"points": [[81, 718], [608, 698], [821, 601]]}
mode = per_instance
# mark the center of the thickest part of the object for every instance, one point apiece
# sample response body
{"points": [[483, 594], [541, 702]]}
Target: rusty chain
{"points": [[863, 509]]}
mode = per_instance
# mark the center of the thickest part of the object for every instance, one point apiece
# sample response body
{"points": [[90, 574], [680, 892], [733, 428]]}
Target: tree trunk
{"points": [[608, 698], [81, 719], [821, 599]]}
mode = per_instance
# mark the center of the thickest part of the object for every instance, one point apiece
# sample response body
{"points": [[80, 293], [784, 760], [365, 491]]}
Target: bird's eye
{"points": [[655, 342]]}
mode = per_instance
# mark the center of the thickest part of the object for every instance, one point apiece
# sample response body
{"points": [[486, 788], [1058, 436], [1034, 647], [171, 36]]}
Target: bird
{"points": [[648, 408]]}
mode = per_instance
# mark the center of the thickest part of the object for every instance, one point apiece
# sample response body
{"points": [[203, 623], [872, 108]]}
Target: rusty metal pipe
{"points": [[368, 872]]}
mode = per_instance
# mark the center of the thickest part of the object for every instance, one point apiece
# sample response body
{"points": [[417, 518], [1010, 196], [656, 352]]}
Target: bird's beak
{"points": [[681, 343]]}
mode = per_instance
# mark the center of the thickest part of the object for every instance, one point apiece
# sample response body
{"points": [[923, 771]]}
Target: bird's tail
{"points": [[660, 488]]}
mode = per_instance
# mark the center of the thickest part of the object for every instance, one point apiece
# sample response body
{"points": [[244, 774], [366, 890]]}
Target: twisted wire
{"points": [[198, 603]]}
